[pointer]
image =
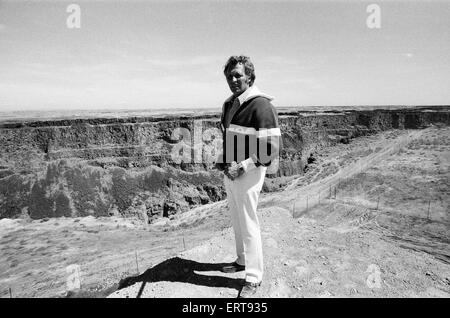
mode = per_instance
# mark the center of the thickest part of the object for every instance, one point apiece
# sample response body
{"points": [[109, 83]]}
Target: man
{"points": [[251, 142]]}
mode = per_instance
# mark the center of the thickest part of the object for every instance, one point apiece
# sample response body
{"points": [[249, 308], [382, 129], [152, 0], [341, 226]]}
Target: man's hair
{"points": [[244, 60]]}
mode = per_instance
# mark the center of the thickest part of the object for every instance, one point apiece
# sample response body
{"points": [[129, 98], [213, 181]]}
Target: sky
{"points": [[170, 54]]}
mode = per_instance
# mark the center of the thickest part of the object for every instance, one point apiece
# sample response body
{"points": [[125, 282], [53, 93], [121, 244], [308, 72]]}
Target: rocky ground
{"points": [[367, 219], [304, 258]]}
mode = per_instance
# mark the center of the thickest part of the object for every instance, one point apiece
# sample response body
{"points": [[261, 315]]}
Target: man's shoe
{"points": [[233, 268], [249, 289]]}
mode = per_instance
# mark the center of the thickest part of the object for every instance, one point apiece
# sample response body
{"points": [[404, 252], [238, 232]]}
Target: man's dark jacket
{"points": [[252, 133]]}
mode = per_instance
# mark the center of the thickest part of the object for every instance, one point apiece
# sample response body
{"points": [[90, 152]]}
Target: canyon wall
{"points": [[157, 166]]}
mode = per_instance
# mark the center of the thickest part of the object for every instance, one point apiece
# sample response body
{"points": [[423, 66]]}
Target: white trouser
{"points": [[242, 196]]}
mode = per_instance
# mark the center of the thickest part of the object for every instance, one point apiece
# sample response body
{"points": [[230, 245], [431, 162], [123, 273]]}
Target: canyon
{"points": [[125, 166]]}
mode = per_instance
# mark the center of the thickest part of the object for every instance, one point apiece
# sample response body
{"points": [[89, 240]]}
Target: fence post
{"points": [[307, 197], [378, 202], [428, 213], [137, 264]]}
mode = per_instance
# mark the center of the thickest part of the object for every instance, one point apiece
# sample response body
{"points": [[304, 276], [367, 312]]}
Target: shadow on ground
{"points": [[181, 270]]}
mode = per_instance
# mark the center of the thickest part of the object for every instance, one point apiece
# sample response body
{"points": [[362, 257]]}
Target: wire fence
{"points": [[364, 190]]}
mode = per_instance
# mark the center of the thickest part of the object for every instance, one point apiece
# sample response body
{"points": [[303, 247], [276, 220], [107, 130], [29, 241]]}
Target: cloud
{"points": [[188, 62], [76, 91], [2, 27], [302, 62]]}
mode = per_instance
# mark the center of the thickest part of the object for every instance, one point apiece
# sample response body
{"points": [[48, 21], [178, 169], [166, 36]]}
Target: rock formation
{"points": [[157, 166]]}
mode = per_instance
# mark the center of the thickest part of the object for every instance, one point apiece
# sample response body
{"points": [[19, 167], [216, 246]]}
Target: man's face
{"points": [[237, 80]]}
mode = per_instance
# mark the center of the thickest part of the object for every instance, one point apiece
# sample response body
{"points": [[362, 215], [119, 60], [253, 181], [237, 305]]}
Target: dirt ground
{"points": [[368, 219]]}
